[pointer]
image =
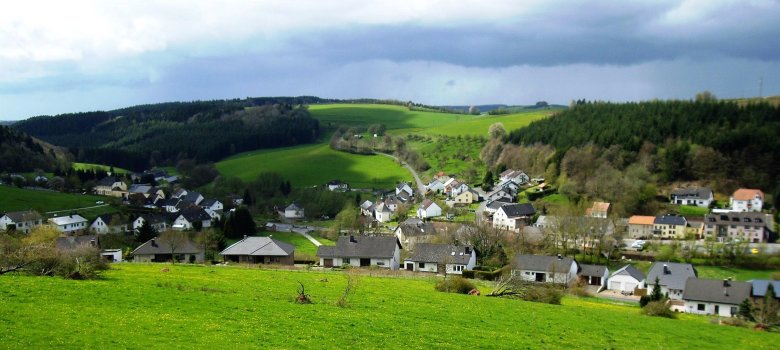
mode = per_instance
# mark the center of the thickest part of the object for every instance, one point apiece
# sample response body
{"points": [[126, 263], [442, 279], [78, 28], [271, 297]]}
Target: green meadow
{"points": [[15, 199], [90, 166], [139, 306]]}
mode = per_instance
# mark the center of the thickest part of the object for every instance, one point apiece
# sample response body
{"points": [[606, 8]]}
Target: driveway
{"points": [[420, 184]]}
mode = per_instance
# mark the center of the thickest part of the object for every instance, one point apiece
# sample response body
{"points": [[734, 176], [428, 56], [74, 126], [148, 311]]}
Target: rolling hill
{"points": [[21, 153]]}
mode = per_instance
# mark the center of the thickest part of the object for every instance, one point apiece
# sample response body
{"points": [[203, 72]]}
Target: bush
{"points": [[81, 263], [547, 294], [579, 289], [658, 308], [734, 322], [455, 285], [468, 273]]}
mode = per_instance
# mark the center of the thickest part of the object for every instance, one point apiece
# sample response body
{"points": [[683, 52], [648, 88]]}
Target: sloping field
{"points": [[200, 307], [15, 199]]}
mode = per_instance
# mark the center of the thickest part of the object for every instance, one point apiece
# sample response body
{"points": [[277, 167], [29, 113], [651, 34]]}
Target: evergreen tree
{"points": [[487, 181], [248, 198], [240, 223], [656, 294], [146, 232]]}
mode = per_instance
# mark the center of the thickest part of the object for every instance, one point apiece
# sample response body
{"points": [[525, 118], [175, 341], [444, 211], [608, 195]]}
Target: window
{"points": [[380, 263], [345, 261], [700, 307], [733, 310], [422, 265], [457, 268]]}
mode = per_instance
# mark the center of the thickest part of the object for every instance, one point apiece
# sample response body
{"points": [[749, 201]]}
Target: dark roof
{"points": [[259, 246], [693, 192], [194, 213], [497, 204], [72, 242], [173, 202], [160, 246], [630, 270], [23, 216], [592, 270], [760, 287], [670, 220], [416, 227], [208, 202], [716, 291], [361, 247], [107, 181], [109, 219], [154, 218], [675, 276], [427, 203], [191, 197], [737, 218], [442, 253], [516, 210], [335, 182], [543, 263]]}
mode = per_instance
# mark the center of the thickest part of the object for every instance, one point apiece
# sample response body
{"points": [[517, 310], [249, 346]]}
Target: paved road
{"points": [[420, 184]]}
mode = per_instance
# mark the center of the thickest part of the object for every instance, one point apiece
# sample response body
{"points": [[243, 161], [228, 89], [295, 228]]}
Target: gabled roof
{"points": [[416, 227], [641, 220], [442, 253], [601, 207], [746, 194], [670, 220], [66, 220], [592, 270], [110, 219], [294, 206], [141, 188], [192, 197], [161, 246], [693, 192], [382, 208], [208, 202], [675, 275], [361, 247], [335, 183], [172, 202], [514, 210], [259, 246], [23, 216], [153, 218], [427, 204], [543, 263], [72, 242], [194, 213], [497, 204], [366, 204], [629, 270], [760, 287], [716, 291], [108, 181]]}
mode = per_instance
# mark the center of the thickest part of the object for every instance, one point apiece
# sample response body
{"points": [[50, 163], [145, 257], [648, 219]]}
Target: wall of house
{"points": [[725, 310], [455, 269], [293, 214], [749, 233], [71, 227], [624, 283], [638, 231], [427, 267], [752, 205]]}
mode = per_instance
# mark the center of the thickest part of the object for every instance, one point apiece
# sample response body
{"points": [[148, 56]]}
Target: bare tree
{"points": [[175, 241]]}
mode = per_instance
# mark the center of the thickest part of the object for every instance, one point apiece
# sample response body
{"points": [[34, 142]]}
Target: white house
{"points": [[382, 212], [715, 297], [293, 211], [428, 209], [404, 187], [698, 196], [512, 216], [212, 204], [500, 195], [367, 208], [449, 258], [22, 221], [112, 255], [108, 223], [158, 222], [70, 223], [671, 277], [188, 218], [435, 186], [337, 185], [594, 275], [546, 269], [518, 176], [626, 279], [745, 199], [362, 251]]}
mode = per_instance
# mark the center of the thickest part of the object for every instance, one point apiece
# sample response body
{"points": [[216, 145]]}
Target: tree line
{"points": [[20, 153]]}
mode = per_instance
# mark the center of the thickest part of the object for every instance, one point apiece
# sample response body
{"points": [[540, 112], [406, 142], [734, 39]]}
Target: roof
{"points": [[335, 182], [208, 202], [693, 192], [426, 204], [107, 181], [497, 204], [23, 216], [442, 253], [593, 270], [516, 210], [293, 206], [602, 207], [173, 201], [361, 247], [71, 242], [70, 219], [366, 205], [716, 291], [416, 227], [162, 246], [746, 194], [382, 208], [110, 219], [738, 218], [259, 246], [670, 220], [194, 213], [760, 287], [675, 278], [641, 220], [141, 188], [153, 218], [543, 263], [629, 270], [192, 197]]}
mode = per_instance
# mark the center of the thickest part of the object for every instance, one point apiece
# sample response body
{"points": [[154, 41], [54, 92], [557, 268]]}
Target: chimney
{"points": [[154, 243], [352, 239], [666, 270], [726, 282], [92, 243], [468, 250], [560, 257], [244, 236]]}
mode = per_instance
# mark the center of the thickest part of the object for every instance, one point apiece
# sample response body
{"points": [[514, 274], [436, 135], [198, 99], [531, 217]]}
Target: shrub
{"points": [[734, 322], [468, 273], [455, 285], [547, 294], [579, 289], [658, 308]]}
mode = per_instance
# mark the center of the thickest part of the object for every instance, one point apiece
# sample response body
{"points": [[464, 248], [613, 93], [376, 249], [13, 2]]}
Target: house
{"points": [[111, 186], [760, 287], [170, 205], [293, 211], [715, 297], [337, 185], [260, 250], [671, 277], [161, 250], [189, 217], [435, 186], [745, 199], [669, 226], [158, 222], [437, 258], [147, 191], [458, 189], [598, 210], [382, 212], [546, 269], [109, 223], [363, 251], [518, 176], [69, 224], [367, 208], [179, 193], [21, 221], [404, 187], [626, 279], [212, 204], [512, 216], [428, 209], [73, 242], [500, 195], [509, 186], [464, 198], [746, 226], [594, 275], [492, 207], [192, 197], [640, 226], [112, 255], [546, 222], [698, 196], [413, 231]]}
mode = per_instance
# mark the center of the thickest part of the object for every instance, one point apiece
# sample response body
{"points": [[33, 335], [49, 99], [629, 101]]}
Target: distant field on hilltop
{"points": [[317, 164], [139, 306], [90, 166], [17, 199]]}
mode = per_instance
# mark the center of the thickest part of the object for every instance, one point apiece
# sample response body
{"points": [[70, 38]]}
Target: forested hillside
{"points": [[20, 153], [148, 135]]}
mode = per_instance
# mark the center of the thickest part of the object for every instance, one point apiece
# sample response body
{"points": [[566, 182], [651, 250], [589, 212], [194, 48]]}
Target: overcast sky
{"points": [[67, 56]]}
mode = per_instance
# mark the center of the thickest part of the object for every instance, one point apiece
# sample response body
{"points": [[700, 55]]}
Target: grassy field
{"points": [[90, 166], [311, 165], [15, 199], [691, 210], [138, 306], [479, 125], [302, 245]]}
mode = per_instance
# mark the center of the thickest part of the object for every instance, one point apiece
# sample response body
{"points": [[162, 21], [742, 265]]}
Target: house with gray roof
{"points": [[69, 224], [21, 221], [760, 287], [158, 221], [626, 279], [428, 209], [192, 197], [260, 250], [73, 242], [212, 204], [294, 211], [669, 226], [698, 196], [671, 277], [594, 275], [146, 190], [715, 297], [413, 231], [109, 223], [188, 218], [513, 216], [437, 258], [161, 250], [362, 251], [746, 226], [546, 269]]}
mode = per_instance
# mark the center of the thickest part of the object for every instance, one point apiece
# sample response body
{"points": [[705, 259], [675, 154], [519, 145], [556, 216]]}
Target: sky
{"points": [[70, 56]]}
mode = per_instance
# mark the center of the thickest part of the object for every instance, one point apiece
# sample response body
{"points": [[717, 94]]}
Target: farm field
{"points": [[139, 306], [90, 166], [15, 199], [479, 125], [312, 165]]}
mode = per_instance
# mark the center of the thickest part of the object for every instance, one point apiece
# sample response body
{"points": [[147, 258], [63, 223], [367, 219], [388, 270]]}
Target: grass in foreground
{"points": [[138, 306], [312, 165]]}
